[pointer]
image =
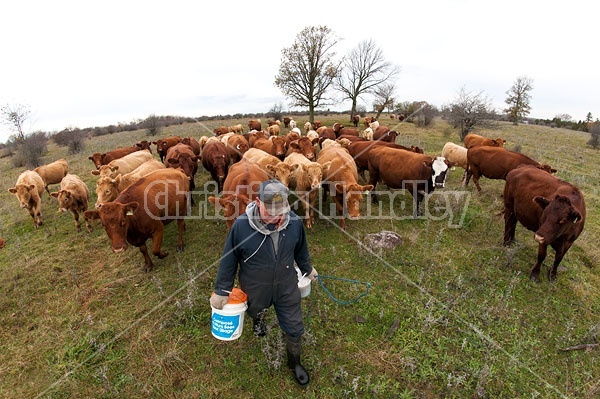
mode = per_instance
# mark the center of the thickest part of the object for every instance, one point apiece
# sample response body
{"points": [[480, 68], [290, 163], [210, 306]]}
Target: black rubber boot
{"points": [[260, 328], [294, 348]]}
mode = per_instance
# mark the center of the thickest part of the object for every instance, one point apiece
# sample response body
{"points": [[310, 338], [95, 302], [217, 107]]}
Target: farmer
{"points": [[263, 244]]}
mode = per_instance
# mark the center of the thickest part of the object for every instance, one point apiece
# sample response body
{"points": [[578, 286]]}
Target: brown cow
{"points": [[236, 145], [272, 165], [418, 173], [341, 178], [325, 133], [473, 140], [495, 163], [163, 145], [239, 189], [286, 122], [305, 147], [550, 207], [305, 181], [273, 145], [104, 159], [144, 145], [215, 159], [383, 133], [28, 190], [193, 143], [108, 188], [273, 130], [239, 129], [221, 130], [367, 121], [53, 172], [123, 165], [254, 124], [182, 156], [355, 120], [317, 124], [143, 209], [73, 196], [360, 152]]}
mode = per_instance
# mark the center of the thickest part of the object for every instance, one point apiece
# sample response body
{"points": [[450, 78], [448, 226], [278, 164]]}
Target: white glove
{"points": [[313, 275], [218, 301]]}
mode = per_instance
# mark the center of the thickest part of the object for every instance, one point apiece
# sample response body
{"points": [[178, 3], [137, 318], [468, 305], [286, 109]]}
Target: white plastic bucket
{"points": [[303, 283], [228, 323]]}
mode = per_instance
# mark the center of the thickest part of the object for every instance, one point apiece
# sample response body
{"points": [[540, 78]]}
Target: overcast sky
{"points": [[82, 64]]}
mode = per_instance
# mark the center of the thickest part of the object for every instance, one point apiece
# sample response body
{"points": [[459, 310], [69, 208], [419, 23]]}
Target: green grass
{"points": [[450, 312]]}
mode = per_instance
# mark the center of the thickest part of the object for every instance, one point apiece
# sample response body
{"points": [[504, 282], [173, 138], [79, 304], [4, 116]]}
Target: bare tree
{"points": [[469, 110], [363, 71], [384, 97], [15, 116], [307, 68], [518, 99]]}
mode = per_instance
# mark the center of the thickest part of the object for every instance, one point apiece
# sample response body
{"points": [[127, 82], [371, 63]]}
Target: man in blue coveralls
{"points": [[262, 246]]}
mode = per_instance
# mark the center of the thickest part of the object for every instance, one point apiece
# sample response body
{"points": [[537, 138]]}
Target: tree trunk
{"points": [[353, 111]]}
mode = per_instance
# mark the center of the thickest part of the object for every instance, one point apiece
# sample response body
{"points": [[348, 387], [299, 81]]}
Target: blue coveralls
{"points": [[268, 278]]}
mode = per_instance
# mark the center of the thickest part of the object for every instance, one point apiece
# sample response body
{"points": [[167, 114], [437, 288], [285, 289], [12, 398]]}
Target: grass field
{"points": [[449, 313]]}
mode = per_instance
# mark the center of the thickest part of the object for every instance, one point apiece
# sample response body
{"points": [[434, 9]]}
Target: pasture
{"points": [[450, 312]]}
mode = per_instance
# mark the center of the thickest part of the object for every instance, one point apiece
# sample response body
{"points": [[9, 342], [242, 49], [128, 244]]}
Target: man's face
{"points": [[265, 216]]}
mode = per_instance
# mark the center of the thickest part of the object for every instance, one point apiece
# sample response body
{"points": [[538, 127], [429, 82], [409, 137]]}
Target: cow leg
{"points": [[476, 177], [148, 265], [464, 179], [467, 176], [76, 218], [180, 229], [535, 272], [510, 224], [561, 250], [157, 239]]}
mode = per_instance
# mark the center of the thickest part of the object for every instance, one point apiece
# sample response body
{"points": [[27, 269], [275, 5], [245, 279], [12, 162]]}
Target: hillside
{"points": [[449, 313]]}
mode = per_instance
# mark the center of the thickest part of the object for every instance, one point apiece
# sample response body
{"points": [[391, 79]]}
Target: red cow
{"points": [[104, 159], [240, 187], [286, 122], [304, 146], [341, 178], [144, 145], [221, 130], [418, 173], [143, 209], [317, 125], [360, 152], [546, 205], [193, 143], [273, 145], [383, 133], [254, 124], [182, 156], [237, 145], [473, 140], [163, 145], [355, 120], [215, 159], [495, 163]]}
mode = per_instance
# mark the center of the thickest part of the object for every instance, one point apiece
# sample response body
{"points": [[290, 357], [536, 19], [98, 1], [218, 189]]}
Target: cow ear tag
{"points": [[129, 213]]}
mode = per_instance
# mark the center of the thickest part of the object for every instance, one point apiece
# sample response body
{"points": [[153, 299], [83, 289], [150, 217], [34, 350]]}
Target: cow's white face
{"points": [[440, 168]]}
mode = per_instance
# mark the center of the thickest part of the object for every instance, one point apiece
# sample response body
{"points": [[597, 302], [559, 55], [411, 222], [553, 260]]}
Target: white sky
{"points": [[82, 64]]}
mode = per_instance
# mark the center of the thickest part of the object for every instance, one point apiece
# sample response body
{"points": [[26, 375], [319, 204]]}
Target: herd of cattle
{"points": [[137, 194]]}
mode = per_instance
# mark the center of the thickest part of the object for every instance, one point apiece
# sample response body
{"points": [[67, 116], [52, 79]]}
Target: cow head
{"points": [[547, 168], [279, 147], [65, 199], [440, 169], [281, 172], [232, 204], [115, 218], [188, 164], [143, 145], [558, 217], [96, 158], [107, 189], [24, 193], [353, 197]]}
